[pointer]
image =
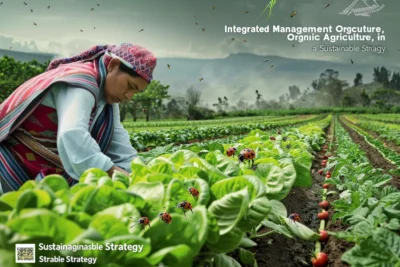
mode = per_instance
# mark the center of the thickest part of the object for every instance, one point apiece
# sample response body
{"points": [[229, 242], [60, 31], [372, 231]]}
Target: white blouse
{"points": [[77, 149]]}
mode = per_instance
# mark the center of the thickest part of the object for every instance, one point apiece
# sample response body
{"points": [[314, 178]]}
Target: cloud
{"points": [[244, 5]]}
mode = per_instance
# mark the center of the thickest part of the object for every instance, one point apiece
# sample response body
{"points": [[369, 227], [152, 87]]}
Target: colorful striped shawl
{"points": [[17, 108], [20, 104]]}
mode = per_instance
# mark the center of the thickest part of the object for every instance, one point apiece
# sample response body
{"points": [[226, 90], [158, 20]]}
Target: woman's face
{"points": [[120, 86]]}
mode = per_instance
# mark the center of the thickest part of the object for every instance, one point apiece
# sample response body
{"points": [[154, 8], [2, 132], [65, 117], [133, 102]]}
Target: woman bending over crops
{"points": [[66, 120]]}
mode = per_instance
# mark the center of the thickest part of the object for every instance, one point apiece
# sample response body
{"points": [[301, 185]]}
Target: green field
{"points": [[239, 207]]}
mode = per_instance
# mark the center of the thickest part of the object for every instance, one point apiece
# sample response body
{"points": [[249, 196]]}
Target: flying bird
{"points": [[81, 30], [98, 4], [25, 4], [1, 3], [246, 12], [169, 66], [292, 45], [200, 79], [10, 47], [203, 29], [94, 28], [351, 61], [303, 99], [293, 14], [197, 23], [326, 6], [272, 66], [233, 39], [31, 10], [141, 30], [92, 9], [48, 7], [214, 7], [34, 24], [245, 41], [266, 60]]}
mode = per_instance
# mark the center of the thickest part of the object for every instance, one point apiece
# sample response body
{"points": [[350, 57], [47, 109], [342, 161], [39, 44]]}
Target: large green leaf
{"points": [[230, 209], [191, 231], [43, 223]]}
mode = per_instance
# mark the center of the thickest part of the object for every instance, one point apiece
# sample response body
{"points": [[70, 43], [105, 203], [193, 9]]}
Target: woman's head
{"points": [[128, 72], [129, 68], [122, 82]]}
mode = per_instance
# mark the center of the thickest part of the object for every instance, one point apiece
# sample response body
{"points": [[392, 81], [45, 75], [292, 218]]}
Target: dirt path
{"points": [[374, 156], [279, 251]]}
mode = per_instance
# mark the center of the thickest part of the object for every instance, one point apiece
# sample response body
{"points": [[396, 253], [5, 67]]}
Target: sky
{"points": [[170, 28]]}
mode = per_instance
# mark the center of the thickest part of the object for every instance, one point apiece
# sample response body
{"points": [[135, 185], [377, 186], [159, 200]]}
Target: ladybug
{"points": [[231, 151], [295, 217], [194, 192], [142, 221], [247, 154], [165, 217], [185, 206]]}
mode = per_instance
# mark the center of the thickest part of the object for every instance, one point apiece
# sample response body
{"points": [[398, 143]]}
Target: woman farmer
{"points": [[66, 120]]}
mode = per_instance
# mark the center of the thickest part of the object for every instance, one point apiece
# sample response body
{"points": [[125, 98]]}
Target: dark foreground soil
{"points": [[279, 251], [374, 156]]}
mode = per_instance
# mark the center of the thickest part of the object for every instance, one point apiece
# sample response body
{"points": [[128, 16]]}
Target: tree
{"points": [[395, 81], [221, 105], [386, 98], [14, 73], [193, 96], [347, 101], [365, 100], [241, 105], [324, 78], [329, 83], [358, 79], [152, 97], [294, 92], [258, 99], [382, 75]]}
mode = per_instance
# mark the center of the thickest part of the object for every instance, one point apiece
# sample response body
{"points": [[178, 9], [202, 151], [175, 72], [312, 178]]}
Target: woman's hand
{"points": [[110, 172]]}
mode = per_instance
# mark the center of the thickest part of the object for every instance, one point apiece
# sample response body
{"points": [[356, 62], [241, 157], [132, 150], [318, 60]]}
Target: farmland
{"points": [[338, 173]]}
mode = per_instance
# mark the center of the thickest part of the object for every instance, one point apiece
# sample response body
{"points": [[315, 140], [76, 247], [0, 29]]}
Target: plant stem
{"points": [[263, 234]]}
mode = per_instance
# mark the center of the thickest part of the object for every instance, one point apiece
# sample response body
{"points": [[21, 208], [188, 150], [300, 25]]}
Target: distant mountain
{"points": [[238, 75], [26, 56]]}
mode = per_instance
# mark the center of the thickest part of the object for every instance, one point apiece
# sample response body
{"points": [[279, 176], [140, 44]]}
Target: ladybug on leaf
{"points": [[230, 152], [247, 154], [142, 221]]}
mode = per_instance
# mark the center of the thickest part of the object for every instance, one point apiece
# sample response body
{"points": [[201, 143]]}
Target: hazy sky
{"points": [[170, 29]]}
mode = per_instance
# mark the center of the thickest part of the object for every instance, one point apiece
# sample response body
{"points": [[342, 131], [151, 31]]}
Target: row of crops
{"points": [[365, 129], [138, 126], [235, 201], [366, 205], [145, 139]]}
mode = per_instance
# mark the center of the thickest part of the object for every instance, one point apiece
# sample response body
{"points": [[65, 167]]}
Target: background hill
{"points": [[239, 75]]}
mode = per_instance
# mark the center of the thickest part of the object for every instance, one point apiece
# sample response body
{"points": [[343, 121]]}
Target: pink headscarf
{"points": [[136, 57]]}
